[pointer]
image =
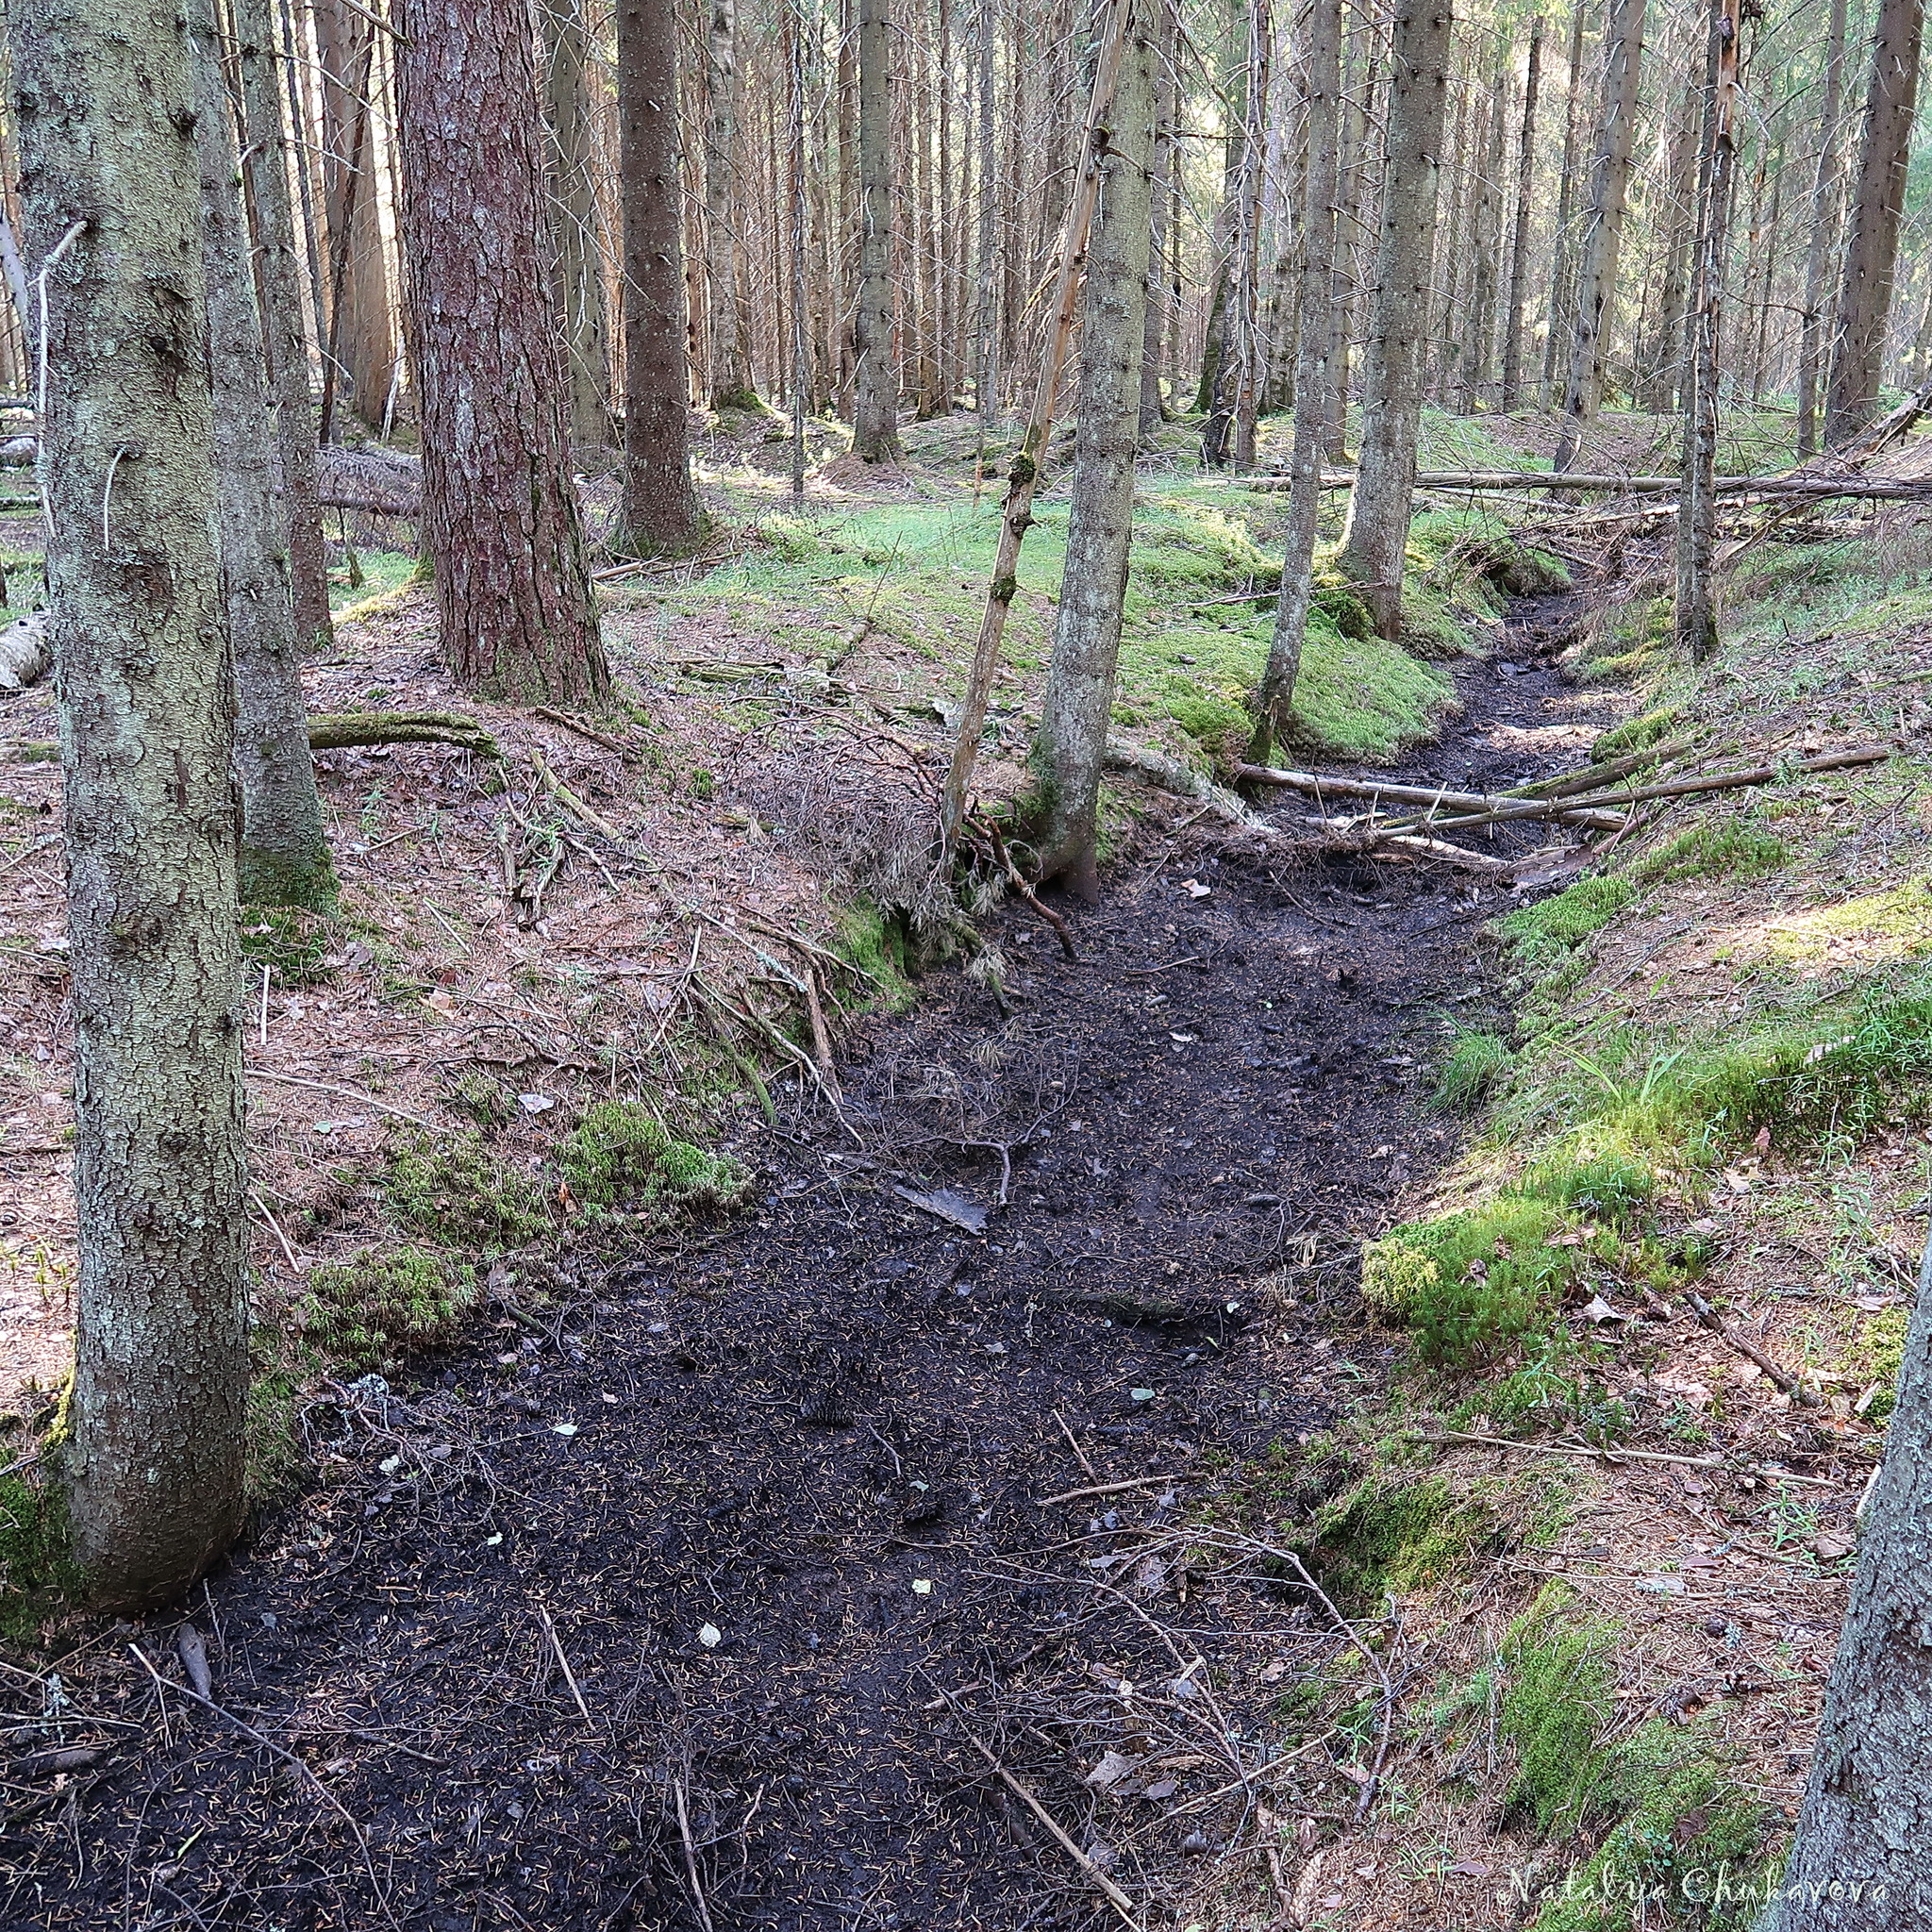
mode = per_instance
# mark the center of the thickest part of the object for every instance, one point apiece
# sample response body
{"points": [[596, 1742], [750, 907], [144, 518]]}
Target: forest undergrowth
{"points": [[571, 988]]}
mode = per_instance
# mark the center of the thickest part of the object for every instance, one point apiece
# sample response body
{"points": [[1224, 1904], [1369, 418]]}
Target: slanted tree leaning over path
{"points": [[1087, 633], [284, 857], [1376, 537], [499, 510], [106, 105]]}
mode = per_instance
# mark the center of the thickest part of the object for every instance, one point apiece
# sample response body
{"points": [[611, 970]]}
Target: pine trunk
{"points": [[876, 386], [1596, 281], [1374, 544], [1563, 253], [362, 358], [1078, 700], [278, 276], [1878, 196], [284, 857], [499, 510], [106, 106], [1322, 64], [578, 222], [660, 512]]}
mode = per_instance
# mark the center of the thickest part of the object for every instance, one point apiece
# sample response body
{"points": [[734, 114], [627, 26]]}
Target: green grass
{"points": [[1474, 1065]]}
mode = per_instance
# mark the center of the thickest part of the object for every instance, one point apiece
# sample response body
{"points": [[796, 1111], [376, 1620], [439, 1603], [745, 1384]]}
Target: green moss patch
{"points": [[620, 1155], [38, 1572], [368, 1315], [1714, 851], [1543, 933], [454, 1191], [1391, 1533]]}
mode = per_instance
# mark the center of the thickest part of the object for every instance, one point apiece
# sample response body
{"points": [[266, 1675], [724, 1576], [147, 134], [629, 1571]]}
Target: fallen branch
{"points": [[1135, 1482], [342, 730], [1321, 787], [385, 481], [346, 1093], [1786, 1383], [1787, 484], [1717, 1463]]}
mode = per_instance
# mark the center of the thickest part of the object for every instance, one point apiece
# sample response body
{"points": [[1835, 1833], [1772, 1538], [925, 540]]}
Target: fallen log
{"points": [[345, 731], [384, 482], [1320, 786], [1887, 489]]}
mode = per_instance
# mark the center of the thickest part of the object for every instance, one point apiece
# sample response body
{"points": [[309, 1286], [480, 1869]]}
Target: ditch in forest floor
{"points": [[686, 1611]]}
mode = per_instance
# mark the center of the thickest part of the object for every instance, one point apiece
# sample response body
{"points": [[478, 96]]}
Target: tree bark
{"points": [[1519, 241], [1376, 538], [1322, 60], [876, 389], [662, 512], [1694, 612], [731, 383], [1486, 224], [1596, 282], [1071, 739], [1857, 1863], [284, 856], [1665, 378], [986, 385], [500, 519], [1824, 198], [361, 340], [106, 107], [1562, 253], [1162, 215], [1879, 196], [279, 277], [578, 222]]}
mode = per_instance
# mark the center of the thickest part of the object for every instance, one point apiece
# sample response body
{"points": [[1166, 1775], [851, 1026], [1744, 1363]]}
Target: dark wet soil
{"points": [[704, 1607]]}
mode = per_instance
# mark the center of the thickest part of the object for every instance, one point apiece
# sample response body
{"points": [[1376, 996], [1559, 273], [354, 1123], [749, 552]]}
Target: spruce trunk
{"points": [[278, 279], [662, 512], [731, 384], [1374, 544], [1519, 242], [1323, 60], [1878, 198], [499, 508], [1087, 632], [106, 106], [876, 391], [1824, 196], [1596, 281], [578, 223], [284, 857]]}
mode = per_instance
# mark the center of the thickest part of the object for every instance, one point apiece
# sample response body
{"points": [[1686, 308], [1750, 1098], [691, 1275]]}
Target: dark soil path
{"points": [[686, 1612]]}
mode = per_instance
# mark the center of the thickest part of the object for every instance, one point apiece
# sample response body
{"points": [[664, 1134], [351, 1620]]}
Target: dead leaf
{"points": [[1195, 890], [1599, 1311], [1830, 1546], [947, 1205], [1165, 1789], [1469, 1868], [1111, 1769]]}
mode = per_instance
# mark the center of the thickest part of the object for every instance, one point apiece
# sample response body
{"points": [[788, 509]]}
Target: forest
{"points": [[965, 964]]}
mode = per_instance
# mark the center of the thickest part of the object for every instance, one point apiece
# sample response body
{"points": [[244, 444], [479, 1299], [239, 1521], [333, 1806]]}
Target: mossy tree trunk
{"points": [[1087, 633], [500, 519], [106, 105], [284, 857], [1376, 538]]}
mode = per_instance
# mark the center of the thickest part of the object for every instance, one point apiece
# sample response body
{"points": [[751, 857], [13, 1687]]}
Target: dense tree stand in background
{"points": [[500, 519], [107, 115]]}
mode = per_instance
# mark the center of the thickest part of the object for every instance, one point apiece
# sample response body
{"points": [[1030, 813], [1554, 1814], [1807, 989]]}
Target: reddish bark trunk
{"points": [[499, 513]]}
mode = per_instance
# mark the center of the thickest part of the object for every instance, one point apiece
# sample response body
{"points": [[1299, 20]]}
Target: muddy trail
{"points": [[801, 1557]]}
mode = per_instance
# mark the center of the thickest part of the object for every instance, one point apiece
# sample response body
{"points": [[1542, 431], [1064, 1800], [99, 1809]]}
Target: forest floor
{"points": [[687, 1603], [723, 1568]]}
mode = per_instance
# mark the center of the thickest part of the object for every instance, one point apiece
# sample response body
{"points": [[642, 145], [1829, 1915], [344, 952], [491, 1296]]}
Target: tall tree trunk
{"points": [[1878, 194], [1858, 1862], [1078, 700], [1351, 229], [1374, 544], [1246, 383], [578, 222], [1322, 58], [1485, 241], [279, 277], [731, 383], [1596, 283], [1825, 199], [986, 384], [284, 857], [1694, 612], [1162, 213], [1220, 351], [661, 511], [499, 510], [875, 390], [106, 107], [1664, 379], [361, 340], [1519, 241], [1563, 253]]}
